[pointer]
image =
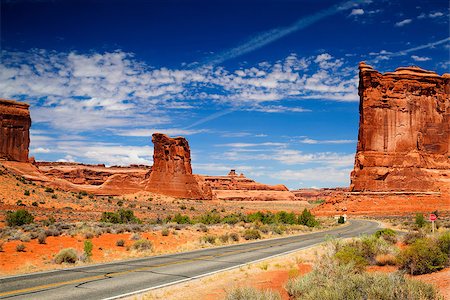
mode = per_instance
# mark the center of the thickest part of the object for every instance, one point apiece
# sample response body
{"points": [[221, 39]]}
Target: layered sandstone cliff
{"points": [[15, 124], [404, 131], [172, 172]]}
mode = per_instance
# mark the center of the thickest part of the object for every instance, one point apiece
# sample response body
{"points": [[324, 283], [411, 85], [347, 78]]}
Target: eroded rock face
{"points": [[15, 125], [404, 131], [172, 172]]}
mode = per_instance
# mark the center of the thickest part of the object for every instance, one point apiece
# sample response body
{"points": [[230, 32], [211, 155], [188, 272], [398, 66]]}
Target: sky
{"points": [[269, 88]]}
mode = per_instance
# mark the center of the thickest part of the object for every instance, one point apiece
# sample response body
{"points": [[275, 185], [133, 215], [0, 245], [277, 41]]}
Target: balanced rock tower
{"points": [[404, 131], [15, 125], [172, 172]]}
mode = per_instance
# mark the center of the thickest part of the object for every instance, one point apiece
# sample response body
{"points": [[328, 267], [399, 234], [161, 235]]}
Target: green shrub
{"points": [[387, 234], [181, 219], [88, 246], [35, 204], [351, 255], [19, 217], [49, 190], [210, 218], [209, 239], [307, 219], [165, 231], [413, 236], [143, 245], [444, 242], [330, 281], [251, 234], [20, 247], [120, 243], [422, 257], [26, 193], [341, 220], [122, 216], [249, 293], [67, 255], [420, 220]]}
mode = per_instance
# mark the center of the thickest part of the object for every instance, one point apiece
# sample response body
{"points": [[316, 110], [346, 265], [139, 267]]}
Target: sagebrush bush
{"points": [[120, 243], [444, 242], [88, 246], [42, 237], [67, 255], [251, 234], [165, 231], [412, 236], [422, 257], [20, 247], [224, 238], [209, 239], [19, 217], [385, 259], [234, 237], [143, 245], [351, 255], [387, 234], [249, 293], [331, 281], [122, 216]]}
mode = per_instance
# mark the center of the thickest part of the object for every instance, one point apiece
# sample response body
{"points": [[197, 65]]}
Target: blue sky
{"points": [[268, 88]]}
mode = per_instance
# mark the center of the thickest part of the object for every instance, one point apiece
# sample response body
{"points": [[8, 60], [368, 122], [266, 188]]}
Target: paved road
{"points": [[117, 279]]}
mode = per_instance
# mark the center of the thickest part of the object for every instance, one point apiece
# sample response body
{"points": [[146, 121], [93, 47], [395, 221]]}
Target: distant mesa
{"points": [[15, 125]]}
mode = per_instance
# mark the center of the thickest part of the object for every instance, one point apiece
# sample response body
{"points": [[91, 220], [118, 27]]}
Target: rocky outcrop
{"points": [[239, 187], [172, 172], [15, 125], [404, 131]]}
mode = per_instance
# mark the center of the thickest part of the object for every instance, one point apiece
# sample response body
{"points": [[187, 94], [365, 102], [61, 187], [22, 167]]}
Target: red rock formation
{"points": [[404, 131], [172, 172], [234, 187], [15, 125]]}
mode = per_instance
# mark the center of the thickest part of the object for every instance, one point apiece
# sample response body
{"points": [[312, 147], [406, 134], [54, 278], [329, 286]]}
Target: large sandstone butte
{"points": [[172, 172], [404, 131], [15, 125]]}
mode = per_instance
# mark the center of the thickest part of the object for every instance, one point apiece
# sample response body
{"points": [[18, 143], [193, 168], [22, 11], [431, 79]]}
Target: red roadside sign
{"points": [[433, 217]]}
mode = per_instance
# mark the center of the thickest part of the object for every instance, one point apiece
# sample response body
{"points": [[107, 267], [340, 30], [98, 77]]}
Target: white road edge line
{"points": [[208, 274]]}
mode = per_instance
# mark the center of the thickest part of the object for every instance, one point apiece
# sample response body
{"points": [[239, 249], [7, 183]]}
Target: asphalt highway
{"points": [[123, 278]]}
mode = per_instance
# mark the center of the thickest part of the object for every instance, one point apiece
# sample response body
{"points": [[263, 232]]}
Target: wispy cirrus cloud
{"points": [[403, 22], [272, 35]]}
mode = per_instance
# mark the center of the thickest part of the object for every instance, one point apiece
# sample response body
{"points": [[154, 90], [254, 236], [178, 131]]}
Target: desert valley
{"points": [[235, 150]]}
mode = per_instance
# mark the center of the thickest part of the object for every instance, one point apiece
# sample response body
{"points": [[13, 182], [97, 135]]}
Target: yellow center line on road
{"points": [[115, 274]]}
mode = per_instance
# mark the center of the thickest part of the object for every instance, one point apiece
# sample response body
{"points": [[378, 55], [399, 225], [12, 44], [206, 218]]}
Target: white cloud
{"points": [[149, 132], [321, 175], [435, 14], [420, 58], [112, 91], [40, 150], [403, 23], [312, 141], [357, 12], [247, 145]]}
